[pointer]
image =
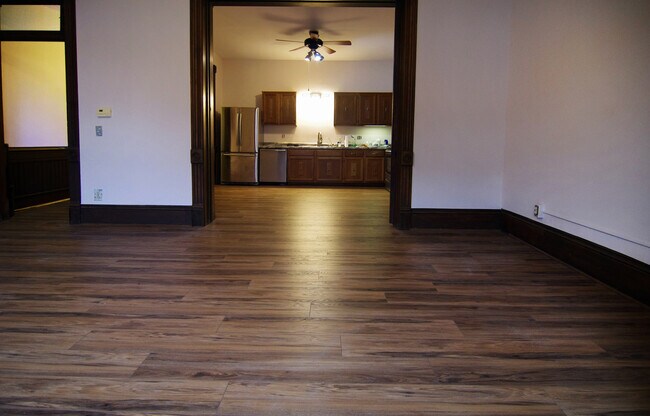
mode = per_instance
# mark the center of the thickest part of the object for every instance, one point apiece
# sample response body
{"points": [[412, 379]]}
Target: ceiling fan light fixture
{"points": [[317, 56], [309, 56]]}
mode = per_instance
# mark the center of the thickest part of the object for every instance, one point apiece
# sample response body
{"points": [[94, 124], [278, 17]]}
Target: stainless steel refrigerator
{"points": [[240, 129]]}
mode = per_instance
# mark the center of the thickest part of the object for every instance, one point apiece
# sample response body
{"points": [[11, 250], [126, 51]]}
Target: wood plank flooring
{"points": [[300, 301]]}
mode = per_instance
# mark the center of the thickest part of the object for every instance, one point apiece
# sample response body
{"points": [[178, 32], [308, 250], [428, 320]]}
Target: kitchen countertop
{"points": [[314, 146]]}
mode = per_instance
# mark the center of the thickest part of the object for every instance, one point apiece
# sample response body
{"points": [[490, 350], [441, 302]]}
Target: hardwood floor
{"points": [[300, 301]]}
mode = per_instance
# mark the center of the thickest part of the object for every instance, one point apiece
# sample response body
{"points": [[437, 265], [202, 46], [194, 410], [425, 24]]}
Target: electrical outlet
{"points": [[538, 211], [98, 195], [99, 131]]}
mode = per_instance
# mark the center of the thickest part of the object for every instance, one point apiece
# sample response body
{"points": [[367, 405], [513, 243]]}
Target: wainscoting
{"points": [[37, 175]]}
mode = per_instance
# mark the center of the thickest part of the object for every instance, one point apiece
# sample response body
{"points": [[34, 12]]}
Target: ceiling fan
{"points": [[314, 42]]}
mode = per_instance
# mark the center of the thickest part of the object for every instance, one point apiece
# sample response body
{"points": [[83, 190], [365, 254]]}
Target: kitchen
{"points": [[305, 111]]}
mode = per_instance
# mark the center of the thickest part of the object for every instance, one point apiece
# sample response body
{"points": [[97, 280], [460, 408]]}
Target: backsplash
{"points": [[368, 135]]}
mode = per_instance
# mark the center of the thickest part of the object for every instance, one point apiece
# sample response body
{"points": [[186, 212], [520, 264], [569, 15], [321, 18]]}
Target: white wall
{"points": [[33, 94], [134, 56], [579, 119], [460, 103], [244, 81]]}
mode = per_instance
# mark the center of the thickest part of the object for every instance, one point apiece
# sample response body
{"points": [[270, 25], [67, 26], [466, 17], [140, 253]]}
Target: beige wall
{"points": [[33, 94], [579, 119], [134, 56], [460, 103]]}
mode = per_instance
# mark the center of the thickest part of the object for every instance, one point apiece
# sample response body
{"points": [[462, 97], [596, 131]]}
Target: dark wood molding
{"points": [[403, 93], [403, 112], [135, 214], [200, 78], [617, 270], [457, 218], [69, 27], [4, 192]]}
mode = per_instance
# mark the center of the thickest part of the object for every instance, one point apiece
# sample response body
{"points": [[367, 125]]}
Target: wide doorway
{"points": [[312, 116]]}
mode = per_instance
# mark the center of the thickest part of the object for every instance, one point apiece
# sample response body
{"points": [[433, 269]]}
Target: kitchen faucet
{"points": [[320, 138]]}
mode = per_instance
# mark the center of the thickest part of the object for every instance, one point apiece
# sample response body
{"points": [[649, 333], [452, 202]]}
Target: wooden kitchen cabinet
{"points": [[346, 108], [367, 108], [279, 107], [384, 111], [373, 168], [353, 166], [336, 166], [372, 108], [329, 165], [300, 166]]}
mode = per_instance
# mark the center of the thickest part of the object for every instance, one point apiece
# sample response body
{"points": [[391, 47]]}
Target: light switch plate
{"points": [[104, 112]]}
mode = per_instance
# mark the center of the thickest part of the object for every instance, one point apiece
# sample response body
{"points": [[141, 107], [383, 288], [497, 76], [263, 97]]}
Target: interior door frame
{"points": [[67, 35], [202, 80]]}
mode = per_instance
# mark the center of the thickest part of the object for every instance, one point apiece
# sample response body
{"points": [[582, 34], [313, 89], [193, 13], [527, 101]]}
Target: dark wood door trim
{"points": [[4, 197], [68, 35], [69, 26], [403, 113], [403, 90], [200, 77]]}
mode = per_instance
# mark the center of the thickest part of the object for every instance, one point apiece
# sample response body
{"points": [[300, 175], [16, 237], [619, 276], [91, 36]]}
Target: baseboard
{"points": [[134, 214], [617, 270], [456, 218]]}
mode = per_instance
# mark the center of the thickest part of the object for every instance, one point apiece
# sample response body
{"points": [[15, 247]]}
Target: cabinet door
{"points": [[345, 109], [300, 169], [353, 170], [384, 114], [270, 108], [367, 108], [328, 169], [374, 170], [287, 108]]}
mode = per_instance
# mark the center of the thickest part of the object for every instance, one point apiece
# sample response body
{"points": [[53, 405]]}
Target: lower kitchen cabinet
{"points": [[329, 165], [353, 170], [353, 166], [300, 166], [336, 166], [373, 171]]}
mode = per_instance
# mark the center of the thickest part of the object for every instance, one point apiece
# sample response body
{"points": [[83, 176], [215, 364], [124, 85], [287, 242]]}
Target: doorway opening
{"points": [[402, 86], [38, 132]]}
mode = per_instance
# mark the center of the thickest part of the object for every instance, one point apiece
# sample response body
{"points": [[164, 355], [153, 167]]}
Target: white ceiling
{"points": [[250, 32]]}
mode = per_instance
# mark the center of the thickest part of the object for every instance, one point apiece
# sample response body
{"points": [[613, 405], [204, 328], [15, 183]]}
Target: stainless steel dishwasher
{"points": [[273, 165]]}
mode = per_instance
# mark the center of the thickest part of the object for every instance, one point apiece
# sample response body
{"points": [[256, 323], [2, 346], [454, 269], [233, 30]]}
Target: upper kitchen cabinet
{"points": [[363, 108], [384, 113], [279, 107], [346, 108], [367, 108]]}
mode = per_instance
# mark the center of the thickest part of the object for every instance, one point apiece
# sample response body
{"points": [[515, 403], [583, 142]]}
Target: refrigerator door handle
{"points": [[238, 130]]}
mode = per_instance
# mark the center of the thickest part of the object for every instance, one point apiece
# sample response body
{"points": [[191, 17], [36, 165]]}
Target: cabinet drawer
{"points": [[375, 153], [353, 153], [300, 152], [329, 153]]}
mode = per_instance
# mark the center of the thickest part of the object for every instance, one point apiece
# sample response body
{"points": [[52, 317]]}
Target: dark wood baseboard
{"points": [[134, 214], [617, 270], [456, 218]]}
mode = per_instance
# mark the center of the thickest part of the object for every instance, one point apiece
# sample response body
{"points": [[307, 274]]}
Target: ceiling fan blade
{"points": [[328, 49], [298, 48], [338, 42], [292, 41]]}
